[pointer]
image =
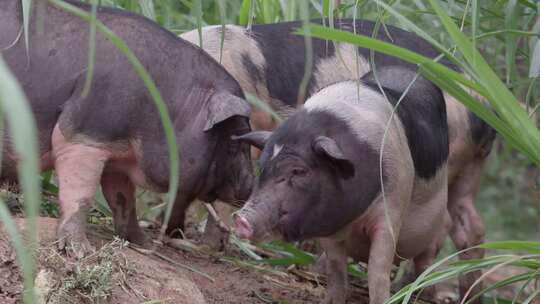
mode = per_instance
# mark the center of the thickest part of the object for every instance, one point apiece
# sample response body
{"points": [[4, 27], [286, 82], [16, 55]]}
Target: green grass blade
{"points": [[197, 10], [148, 9], [502, 283], [531, 297], [254, 100], [308, 68], [534, 68], [511, 18], [27, 8], [321, 32], [91, 50], [475, 14], [244, 16], [222, 15], [23, 135], [23, 255], [530, 247], [290, 10], [501, 98]]}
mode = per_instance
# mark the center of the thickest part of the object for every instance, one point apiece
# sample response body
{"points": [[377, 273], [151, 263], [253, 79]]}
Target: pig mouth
{"points": [[287, 231]]}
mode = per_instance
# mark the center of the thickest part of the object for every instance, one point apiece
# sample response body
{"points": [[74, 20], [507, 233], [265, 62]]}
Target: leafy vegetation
{"points": [[495, 42]]}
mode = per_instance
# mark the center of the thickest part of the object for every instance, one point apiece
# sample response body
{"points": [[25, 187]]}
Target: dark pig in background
{"points": [[269, 62], [114, 136], [320, 178]]}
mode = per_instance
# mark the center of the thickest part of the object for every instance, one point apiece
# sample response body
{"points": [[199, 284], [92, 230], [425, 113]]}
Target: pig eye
{"points": [[299, 172]]}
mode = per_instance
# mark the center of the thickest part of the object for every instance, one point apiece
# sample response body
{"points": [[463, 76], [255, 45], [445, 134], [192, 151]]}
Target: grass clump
{"points": [[92, 278]]}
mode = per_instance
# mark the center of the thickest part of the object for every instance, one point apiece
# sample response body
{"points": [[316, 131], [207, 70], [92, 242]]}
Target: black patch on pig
{"points": [[422, 112], [284, 52], [321, 209], [252, 69]]}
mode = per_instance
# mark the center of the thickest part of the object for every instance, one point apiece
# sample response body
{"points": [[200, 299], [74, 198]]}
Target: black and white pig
{"points": [[321, 178], [268, 61], [114, 136]]}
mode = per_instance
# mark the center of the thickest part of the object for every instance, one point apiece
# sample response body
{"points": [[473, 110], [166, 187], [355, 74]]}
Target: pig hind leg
{"points": [[119, 192], [467, 228], [423, 261], [79, 168]]}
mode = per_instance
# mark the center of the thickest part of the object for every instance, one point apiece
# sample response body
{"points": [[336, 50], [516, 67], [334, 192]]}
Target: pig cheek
{"points": [[265, 218]]}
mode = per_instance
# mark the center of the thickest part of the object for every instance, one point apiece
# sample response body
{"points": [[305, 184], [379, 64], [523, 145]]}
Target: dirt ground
{"points": [[146, 277], [118, 273]]}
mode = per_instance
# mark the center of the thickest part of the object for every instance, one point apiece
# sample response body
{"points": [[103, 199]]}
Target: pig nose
{"points": [[243, 227]]}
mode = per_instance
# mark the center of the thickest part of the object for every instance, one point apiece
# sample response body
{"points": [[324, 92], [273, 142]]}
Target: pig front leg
{"points": [[78, 167], [381, 256], [213, 236], [175, 226], [336, 271], [119, 192]]}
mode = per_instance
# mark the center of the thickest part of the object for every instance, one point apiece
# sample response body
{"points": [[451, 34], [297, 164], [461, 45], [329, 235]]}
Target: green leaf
{"points": [[147, 9], [243, 17], [531, 247], [197, 11], [511, 18], [534, 68], [293, 255], [326, 8]]}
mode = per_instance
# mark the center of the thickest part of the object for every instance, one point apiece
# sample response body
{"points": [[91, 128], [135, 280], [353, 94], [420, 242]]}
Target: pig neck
{"points": [[211, 178]]}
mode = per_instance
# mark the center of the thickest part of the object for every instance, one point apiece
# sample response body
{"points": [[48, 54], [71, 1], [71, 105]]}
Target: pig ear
{"points": [[328, 148], [256, 138], [224, 105]]}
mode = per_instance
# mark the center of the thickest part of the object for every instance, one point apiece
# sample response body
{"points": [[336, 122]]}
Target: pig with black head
{"points": [[322, 178], [268, 60], [114, 136]]}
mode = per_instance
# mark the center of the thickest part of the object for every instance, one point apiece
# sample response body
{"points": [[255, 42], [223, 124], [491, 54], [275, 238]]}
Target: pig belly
{"points": [[425, 218], [126, 162], [421, 228], [423, 221]]}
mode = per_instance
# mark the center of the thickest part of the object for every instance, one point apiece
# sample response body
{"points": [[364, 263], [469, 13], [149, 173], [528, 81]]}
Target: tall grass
{"points": [[464, 31], [22, 130]]}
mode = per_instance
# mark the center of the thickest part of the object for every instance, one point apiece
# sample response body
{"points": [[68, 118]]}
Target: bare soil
{"points": [[146, 276], [121, 273]]}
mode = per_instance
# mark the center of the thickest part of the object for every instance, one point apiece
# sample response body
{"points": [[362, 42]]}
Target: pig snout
{"points": [[243, 228]]}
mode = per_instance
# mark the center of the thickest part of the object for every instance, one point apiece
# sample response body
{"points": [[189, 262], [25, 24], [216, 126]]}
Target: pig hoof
{"points": [[137, 237], [72, 238], [215, 239], [319, 266], [74, 246]]}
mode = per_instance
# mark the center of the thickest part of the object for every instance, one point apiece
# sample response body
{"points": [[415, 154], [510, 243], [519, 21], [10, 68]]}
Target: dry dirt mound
{"points": [[117, 273]]}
